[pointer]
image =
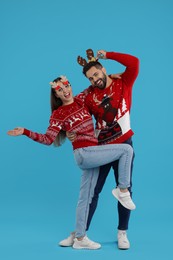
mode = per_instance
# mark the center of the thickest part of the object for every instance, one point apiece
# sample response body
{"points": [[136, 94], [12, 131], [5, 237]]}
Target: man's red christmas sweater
{"points": [[111, 106]]}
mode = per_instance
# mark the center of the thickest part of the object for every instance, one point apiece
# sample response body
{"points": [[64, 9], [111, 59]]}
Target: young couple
{"points": [[109, 100]]}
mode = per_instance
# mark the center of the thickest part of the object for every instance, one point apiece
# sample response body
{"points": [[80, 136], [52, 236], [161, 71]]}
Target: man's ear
{"points": [[104, 70]]}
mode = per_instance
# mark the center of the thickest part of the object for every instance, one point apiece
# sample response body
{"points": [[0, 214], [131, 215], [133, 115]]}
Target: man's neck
{"points": [[109, 81]]}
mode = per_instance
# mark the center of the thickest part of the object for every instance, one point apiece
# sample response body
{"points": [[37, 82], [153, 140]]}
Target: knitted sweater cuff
{"points": [[26, 132]]}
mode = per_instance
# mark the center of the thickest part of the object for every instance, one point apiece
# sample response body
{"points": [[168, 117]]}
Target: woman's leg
{"points": [[103, 173], [88, 182], [95, 156]]}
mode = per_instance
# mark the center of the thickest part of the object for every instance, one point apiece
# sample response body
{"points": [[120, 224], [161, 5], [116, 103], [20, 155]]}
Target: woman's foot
{"points": [[124, 198]]}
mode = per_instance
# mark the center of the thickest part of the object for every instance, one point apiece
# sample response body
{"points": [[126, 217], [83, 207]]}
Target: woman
{"points": [[70, 114]]}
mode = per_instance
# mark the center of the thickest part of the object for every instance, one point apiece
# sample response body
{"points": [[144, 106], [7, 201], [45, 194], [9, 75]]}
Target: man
{"points": [[109, 100]]}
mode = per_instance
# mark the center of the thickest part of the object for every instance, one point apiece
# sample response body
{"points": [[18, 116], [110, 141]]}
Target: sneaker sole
{"points": [[123, 248], [65, 245], [88, 248]]}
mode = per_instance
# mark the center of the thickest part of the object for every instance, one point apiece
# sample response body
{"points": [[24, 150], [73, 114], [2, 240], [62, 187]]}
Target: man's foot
{"points": [[124, 198], [68, 241], [123, 242], [85, 243]]}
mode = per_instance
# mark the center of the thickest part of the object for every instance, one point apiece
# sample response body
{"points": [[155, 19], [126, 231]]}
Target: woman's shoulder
{"points": [[57, 114]]}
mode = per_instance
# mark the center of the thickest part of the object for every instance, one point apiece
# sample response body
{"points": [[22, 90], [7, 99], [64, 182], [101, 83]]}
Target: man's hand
{"points": [[16, 131], [101, 54], [71, 136]]}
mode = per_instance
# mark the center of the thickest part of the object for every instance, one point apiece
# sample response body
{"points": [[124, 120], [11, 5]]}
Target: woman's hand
{"points": [[16, 131], [71, 136], [116, 76]]}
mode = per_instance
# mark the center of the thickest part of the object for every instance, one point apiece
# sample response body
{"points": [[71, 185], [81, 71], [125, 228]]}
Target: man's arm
{"points": [[130, 62]]}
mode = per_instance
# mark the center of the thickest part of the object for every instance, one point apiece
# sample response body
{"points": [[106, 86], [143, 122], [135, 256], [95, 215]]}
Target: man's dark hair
{"points": [[90, 64]]}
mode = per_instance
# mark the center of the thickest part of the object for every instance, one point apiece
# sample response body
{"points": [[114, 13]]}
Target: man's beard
{"points": [[101, 82]]}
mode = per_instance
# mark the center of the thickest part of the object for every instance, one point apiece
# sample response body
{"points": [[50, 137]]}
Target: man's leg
{"points": [[103, 173], [123, 213]]}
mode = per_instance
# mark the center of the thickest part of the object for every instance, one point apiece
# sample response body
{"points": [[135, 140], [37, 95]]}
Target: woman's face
{"points": [[64, 92]]}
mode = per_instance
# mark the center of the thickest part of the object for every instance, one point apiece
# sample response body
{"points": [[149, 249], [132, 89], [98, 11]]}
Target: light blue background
{"points": [[38, 184]]}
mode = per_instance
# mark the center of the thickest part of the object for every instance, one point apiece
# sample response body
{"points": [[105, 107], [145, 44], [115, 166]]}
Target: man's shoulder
{"points": [[91, 89]]}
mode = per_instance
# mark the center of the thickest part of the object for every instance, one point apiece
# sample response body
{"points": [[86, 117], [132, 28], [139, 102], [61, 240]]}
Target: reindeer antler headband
{"points": [[90, 56]]}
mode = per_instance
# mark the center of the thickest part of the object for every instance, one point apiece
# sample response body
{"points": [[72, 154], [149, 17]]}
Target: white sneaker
{"points": [[85, 243], [124, 198], [68, 241], [123, 242]]}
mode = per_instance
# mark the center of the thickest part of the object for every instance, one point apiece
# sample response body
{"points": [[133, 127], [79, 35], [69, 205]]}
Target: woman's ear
{"points": [[56, 94]]}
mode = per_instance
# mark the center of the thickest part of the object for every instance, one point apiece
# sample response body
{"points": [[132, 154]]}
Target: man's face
{"points": [[97, 77]]}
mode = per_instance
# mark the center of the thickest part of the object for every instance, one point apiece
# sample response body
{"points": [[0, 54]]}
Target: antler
{"points": [[98, 102], [90, 56], [81, 61]]}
